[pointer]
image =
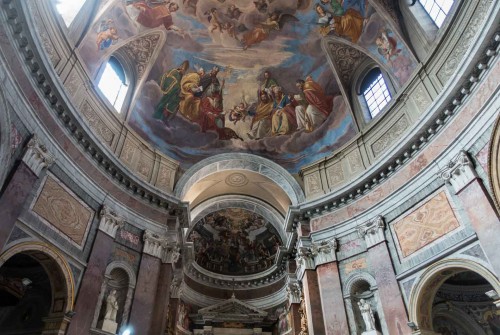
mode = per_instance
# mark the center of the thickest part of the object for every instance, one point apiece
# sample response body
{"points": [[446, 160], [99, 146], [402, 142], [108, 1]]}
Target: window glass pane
{"points": [[69, 9], [437, 9], [376, 95], [110, 84]]}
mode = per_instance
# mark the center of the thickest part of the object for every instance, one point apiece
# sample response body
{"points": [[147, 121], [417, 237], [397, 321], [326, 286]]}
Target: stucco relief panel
{"points": [[421, 98], [97, 123], [463, 42], [390, 136], [164, 180], [44, 35], [335, 174], [313, 183], [426, 224], [63, 210]]}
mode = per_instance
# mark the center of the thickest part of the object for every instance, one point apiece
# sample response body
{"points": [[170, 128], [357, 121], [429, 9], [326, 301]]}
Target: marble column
{"points": [[141, 315], [20, 185], [312, 299], [170, 257], [92, 280], [380, 261], [461, 175], [332, 301]]}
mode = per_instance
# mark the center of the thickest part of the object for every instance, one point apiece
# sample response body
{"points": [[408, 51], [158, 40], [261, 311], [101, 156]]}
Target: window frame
{"points": [[130, 76], [360, 107]]}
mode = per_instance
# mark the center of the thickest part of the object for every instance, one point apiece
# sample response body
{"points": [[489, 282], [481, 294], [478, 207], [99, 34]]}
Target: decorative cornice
{"points": [[372, 231], [109, 221], [459, 172], [36, 156], [153, 244]]}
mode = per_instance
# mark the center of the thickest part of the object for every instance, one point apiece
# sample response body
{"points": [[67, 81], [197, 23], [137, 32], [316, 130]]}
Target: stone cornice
{"points": [[36, 156], [109, 221]]}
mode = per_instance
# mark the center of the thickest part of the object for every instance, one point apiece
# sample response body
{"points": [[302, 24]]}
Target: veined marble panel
{"points": [[426, 224], [62, 209]]}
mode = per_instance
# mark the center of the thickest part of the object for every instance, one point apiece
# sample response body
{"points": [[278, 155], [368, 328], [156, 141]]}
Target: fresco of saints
{"points": [[314, 105], [349, 25], [274, 21], [211, 102], [283, 121], [189, 96], [267, 83], [261, 122], [154, 17], [335, 6], [170, 85]]}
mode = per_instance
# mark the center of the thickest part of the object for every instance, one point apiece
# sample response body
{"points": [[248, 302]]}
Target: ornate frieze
{"points": [[459, 172], [372, 231], [153, 244], [109, 221], [37, 157]]}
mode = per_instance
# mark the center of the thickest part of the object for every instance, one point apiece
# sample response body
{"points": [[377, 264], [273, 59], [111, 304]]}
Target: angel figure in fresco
{"points": [[274, 21], [106, 34], [153, 15], [215, 23], [387, 45], [233, 12]]}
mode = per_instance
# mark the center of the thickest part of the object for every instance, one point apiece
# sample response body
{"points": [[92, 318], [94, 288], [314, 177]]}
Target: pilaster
{"points": [[476, 203], [380, 261]]}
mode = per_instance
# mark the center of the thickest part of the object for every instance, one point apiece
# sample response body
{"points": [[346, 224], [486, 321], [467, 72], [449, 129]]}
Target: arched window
{"points": [[375, 91], [69, 9], [113, 83], [437, 10]]}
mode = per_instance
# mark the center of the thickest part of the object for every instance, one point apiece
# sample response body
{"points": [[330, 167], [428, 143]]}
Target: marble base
{"points": [[108, 326], [371, 332]]}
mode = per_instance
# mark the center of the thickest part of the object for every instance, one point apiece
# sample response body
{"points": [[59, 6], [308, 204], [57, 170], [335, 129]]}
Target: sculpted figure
{"points": [[367, 313], [111, 306]]}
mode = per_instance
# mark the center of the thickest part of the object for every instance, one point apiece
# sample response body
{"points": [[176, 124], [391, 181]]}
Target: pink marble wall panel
{"points": [[430, 153]]}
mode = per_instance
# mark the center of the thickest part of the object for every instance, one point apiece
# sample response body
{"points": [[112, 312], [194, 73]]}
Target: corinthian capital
{"points": [[459, 172], [172, 253], [153, 244], [37, 157], [324, 251], [109, 221], [373, 231]]}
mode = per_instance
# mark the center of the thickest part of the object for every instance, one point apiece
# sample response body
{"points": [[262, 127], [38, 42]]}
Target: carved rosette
{"points": [[373, 231], [459, 172], [37, 157], [324, 251], [109, 221], [294, 292], [171, 253], [153, 244]]}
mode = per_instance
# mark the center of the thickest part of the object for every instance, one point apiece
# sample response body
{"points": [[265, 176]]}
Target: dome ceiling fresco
{"points": [[219, 76], [234, 241]]}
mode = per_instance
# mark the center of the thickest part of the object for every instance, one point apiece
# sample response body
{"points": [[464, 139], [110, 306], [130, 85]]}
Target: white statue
{"points": [[111, 306], [367, 313]]}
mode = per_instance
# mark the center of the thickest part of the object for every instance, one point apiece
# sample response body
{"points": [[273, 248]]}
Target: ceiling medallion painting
{"points": [[235, 241], [244, 75]]}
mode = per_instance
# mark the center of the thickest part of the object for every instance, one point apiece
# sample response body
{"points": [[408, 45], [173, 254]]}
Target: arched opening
{"points": [[69, 9], [25, 296], [36, 290], [455, 297], [375, 92], [114, 83]]}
